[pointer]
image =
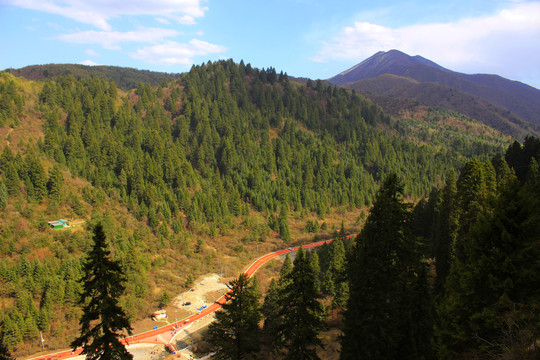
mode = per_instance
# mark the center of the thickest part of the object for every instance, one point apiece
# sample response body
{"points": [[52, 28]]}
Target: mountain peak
{"points": [[384, 62], [393, 73]]}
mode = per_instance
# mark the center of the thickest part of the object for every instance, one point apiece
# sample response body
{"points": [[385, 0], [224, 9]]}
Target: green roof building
{"points": [[56, 224]]}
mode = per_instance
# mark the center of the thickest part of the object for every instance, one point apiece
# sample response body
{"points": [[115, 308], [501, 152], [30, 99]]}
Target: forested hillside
{"points": [[124, 78], [483, 229], [180, 172], [453, 277]]}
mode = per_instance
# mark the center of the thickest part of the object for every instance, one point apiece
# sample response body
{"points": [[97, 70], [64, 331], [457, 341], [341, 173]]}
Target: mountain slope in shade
{"points": [[386, 90], [514, 102]]}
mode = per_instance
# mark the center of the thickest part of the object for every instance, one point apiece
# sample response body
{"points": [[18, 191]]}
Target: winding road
{"points": [[171, 329]]}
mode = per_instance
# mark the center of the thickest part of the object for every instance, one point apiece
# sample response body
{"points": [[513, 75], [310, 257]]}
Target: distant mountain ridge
{"points": [[125, 78], [508, 105]]}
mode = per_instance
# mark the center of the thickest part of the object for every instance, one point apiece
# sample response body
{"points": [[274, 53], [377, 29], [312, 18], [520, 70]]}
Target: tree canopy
{"points": [[235, 334], [388, 308]]}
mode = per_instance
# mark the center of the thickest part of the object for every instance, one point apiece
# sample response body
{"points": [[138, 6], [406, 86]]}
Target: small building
{"points": [[159, 315], [56, 224], [63, 223]]}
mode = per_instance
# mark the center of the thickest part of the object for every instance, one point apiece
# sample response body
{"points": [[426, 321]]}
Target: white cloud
{"points": [[88, 63], [493, 43], [185, 20], [172, 52], [98, 12], [111, 39]]}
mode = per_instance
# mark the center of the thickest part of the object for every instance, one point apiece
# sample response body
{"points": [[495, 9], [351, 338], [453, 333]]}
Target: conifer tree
{"points": [[103, 322], [12, 329], [476, 188], [274, 307], [378, 321], [235, 334], [342, 295], [36, 181], [55, 182], [313, 258], [303, 313], [4, 352], [6, 158], [283, 223], [494, 283], [446, 231], [3, 195], [334, 274], [285, 271], [270, 310], [11, 179]]}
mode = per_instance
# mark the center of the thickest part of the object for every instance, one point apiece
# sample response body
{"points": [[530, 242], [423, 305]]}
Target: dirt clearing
{"points": [[206, 290], [203, 293]]}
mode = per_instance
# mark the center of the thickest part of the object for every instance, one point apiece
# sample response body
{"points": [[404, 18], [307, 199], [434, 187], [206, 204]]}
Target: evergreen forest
{"points": [[196, 173], [453, 277]]}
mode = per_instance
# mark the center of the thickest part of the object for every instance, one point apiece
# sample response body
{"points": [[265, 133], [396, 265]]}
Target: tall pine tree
{"points": [[274, 308], [270, 310], [55, 182], [380, 321], [103, 322], [235, 334], [334, 274], [303, 313], [3, 195], [446, 231], [4, 351]]}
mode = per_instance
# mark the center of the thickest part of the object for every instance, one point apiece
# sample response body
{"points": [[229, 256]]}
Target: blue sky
{"points": [[307, 38]]}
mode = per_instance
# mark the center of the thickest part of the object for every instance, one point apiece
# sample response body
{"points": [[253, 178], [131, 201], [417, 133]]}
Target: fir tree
{"points": [[103, 322], [272, 322], [274, 307], [55, 182], [4, 351], [36, 182], [446, 232], [494, 283], [6, 158], [303, 313], [334, 274], [11, 179], [379, 321], [285, 271], [283, 223], [3, 195], [235, 334]]}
